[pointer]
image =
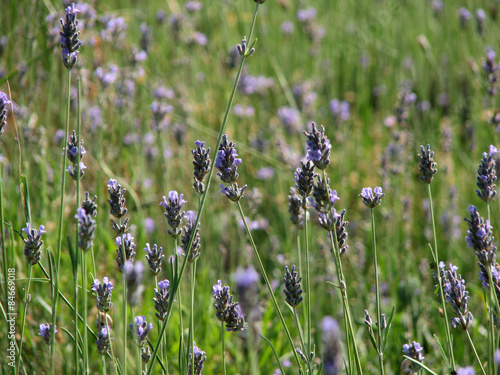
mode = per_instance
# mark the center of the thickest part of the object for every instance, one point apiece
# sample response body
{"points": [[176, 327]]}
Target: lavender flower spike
{"points": [[45, 331], [201, 164], [154, 257], [199, 358], [456, 294], [293, 291], [413, 350], [332, 357], [227, 161], [33, 243], [86, 229], [103, 341], [189, 231], [161, 300], [318, 147], [174, 213], [4, 101], [103, 294], [486, 176], [141, 328], [117, 199], [69, 37], [426, 165], [370, 199]]}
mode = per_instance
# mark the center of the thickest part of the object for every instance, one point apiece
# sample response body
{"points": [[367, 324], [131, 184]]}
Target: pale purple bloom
{"points": [[33, 243], [340, 110], [45, 332], [371, 198], [193, 6], [305, 15], [141, 328], [287, 27], [103, 294], [290, 118], [265, 173]]}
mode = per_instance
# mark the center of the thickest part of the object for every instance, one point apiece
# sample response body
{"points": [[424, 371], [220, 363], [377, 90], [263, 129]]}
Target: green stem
{"points": [[175, 284], [181, 321], [84, 293], [4, 249], [124, 308], [191, 326], [275, 354], [380, 349], [60, 235], [440, 282], [343, 289], [223, 346], [26, 301], [308, 286], [268, 284], [301, 337], [475, 352], [103, 364]]}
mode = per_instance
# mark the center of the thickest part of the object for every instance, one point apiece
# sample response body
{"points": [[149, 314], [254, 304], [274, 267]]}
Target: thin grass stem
{"points": [[60, 224], [26, 301], [440, 282]]}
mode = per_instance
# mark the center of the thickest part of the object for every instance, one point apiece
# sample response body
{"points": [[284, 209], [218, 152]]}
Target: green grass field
{"points": [[382, 76]]}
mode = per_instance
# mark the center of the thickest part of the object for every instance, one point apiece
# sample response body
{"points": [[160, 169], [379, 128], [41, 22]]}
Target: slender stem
{"points": [[475, 352], [124, 308], [343, 288], [275, 354], [440, 282], [26, 301], [75, 311], [308, 286], [181, 321], [301, 337], [191, 323], [84, 294], [380, 349], [223, 346], [175, 285], [103, 364], [266, 280], [4, 249], [59, 239]]}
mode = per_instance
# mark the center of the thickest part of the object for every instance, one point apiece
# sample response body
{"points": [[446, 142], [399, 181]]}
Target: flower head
{"points": [[413, 350], [141, 328], [154, 256], [370, 199], [4, 101], [33, 243], [45, 331], [227, 161], [162, 295], [69, 37], [201, 164], [103, 292], [293, 291], [486, 176], [173, 211], [426, 165], [318, 147]]}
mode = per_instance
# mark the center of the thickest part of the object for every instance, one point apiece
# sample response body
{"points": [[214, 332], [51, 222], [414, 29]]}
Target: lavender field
{"points": [[249, 187]]}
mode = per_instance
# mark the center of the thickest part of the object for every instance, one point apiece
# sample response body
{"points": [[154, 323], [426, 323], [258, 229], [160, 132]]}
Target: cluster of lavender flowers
{"points": [[293, 290], [69, 37], [455, 294], [86, 223], [414, 351], [140, 328], [103, 293], [198, 357], [33, 243], [227, 163], [45, 332], [75, 155], [480, 239], [226, 310], [491, 67], [4, 101], [486, 176]]}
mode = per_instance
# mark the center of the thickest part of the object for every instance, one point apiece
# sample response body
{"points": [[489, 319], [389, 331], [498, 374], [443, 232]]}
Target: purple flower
{"points": [[290, 118], [191, 231], [141, 328], [86, 229], [330, 333], [306, 15], [340, 110], [45, 332], [486, 176], [33, 243], [197, 357], [370, 199], [318, 147], [161, 299], [103, 294], [103, 341], [4, 101], [193, 6], [154, 257], [69, 37], [174, 213], [287, 27]]}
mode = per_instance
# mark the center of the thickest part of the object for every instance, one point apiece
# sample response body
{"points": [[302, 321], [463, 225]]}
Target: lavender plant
{"points": [[372, 199], [4, 102]]}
